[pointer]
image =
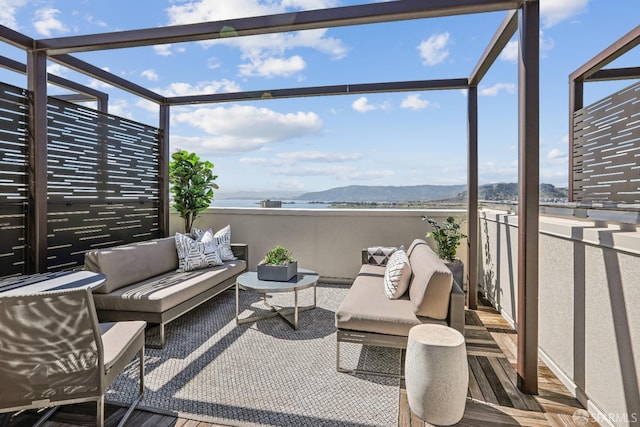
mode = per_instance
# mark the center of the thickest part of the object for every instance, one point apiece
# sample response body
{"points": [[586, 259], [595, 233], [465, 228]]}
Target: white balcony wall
{"points": [[589, 290], [328, 241]]}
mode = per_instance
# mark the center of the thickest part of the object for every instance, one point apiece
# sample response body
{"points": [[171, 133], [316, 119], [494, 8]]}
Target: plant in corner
{"points": [[192, 185], [278, 265], [447, 237]]}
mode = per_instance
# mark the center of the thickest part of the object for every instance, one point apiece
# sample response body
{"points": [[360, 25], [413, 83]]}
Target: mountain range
{"points": [[369, 193]]}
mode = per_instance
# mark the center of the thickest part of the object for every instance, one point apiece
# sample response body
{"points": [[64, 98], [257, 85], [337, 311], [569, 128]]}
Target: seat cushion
{"points": [[124, 265], [430, 287], [121, 341], [163, 292], [366, 308]]}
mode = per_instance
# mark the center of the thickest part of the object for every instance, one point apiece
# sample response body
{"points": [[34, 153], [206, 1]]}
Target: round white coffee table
{"points": [[303, 280]]}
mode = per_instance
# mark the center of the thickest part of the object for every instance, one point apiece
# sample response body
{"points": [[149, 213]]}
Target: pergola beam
{"points": [[86, 93], [614, 74], [107, 77], [293, 21], [616, 50], [15, 38], [302, 92], [505, 31]]}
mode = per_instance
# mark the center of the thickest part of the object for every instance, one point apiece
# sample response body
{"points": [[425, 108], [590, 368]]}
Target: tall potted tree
{"points": [[192, 185], [447, 237]]}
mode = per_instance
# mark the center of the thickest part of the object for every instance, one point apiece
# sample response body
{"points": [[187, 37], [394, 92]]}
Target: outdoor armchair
{"points": [[54, 352]]}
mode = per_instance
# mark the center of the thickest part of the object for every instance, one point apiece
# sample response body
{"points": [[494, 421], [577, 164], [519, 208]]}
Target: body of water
{"points": [[246, 203]]}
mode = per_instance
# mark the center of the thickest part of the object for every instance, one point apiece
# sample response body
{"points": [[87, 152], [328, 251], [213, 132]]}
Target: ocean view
{"points": [[252, 203]]}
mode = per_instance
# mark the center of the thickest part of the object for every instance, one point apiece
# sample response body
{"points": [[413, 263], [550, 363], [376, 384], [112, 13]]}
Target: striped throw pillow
{"points": [[397, 275], [196, 254]]}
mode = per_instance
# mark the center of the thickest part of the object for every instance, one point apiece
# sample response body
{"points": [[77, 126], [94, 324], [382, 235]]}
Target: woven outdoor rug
{"points": [[264, 373]]}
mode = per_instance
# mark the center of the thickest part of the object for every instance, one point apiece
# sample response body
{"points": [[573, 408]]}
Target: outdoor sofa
{"points": [[368, 316], [142, 281]]}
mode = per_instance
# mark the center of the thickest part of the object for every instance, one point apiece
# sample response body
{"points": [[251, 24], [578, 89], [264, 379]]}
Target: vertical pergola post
{"points": [[472, 197], [528, 199], [576, 101], [37, 146], [163, 170]]}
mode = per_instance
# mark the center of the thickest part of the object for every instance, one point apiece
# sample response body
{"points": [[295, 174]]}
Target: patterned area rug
{"points": [[264, 373]]}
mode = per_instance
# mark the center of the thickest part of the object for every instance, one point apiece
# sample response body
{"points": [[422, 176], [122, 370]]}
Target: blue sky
{"points": [[312, 144]]}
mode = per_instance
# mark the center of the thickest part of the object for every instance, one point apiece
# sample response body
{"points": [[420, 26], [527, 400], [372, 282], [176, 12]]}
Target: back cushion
{"points": [[124, 265], [430, 287]]}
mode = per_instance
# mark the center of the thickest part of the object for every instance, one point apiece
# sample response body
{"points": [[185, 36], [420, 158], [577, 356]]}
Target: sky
{"points": [[313, 144]]}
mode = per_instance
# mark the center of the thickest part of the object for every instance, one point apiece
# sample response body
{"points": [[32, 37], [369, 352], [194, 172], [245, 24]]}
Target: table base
{"points": [[283, 312]]}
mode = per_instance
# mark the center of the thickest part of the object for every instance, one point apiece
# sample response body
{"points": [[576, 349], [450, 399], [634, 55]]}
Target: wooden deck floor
{"points": [[492, 399]]}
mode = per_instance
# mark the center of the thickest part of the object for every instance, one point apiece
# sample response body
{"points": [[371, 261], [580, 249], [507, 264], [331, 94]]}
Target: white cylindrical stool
{"points": [[436, 374]]}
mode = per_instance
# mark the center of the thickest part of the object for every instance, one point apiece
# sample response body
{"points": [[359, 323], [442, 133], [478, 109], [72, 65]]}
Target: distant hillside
{"points": [[369, 193], [366, 193]]}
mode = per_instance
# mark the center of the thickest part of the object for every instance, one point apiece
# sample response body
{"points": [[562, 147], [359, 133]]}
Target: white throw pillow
{"points": [[196, 254], [397, 275], [223, 240]]}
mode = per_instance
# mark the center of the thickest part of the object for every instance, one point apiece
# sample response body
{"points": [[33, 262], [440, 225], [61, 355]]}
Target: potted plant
{"points": [[278, 265], [192, 185], [447, 237]]}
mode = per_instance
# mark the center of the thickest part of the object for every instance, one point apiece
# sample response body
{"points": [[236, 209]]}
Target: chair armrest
{"points": [[456, 308], [240, 250], [365, 256]]}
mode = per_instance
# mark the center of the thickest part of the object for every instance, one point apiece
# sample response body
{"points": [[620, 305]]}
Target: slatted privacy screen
{"points": [[13, 178], [103, 182], [606, 149]]}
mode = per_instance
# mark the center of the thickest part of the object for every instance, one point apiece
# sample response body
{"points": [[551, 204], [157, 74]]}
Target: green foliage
{"points": [[278, 256], [192, 185], [446, 236]]}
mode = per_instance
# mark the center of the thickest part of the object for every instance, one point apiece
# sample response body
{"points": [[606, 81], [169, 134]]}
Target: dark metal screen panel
{"points": [[103, 185], [13, 178], [606, 149]]}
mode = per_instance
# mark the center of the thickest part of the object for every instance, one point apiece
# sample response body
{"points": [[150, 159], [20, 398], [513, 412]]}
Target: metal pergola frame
{"points": [[594, 71], [523, 15]]}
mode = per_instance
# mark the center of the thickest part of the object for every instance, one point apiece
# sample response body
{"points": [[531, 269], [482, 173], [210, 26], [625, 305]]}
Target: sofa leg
{"points": [[162, 340]]}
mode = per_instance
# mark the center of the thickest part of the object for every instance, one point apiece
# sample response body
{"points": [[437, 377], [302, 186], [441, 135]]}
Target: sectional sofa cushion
{"points": [[397, 275], [158, 294], [430, 287], [127, 264], [366, 307]]}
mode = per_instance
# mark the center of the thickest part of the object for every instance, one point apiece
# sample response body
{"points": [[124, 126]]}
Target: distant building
{"points": [[271, 204]]}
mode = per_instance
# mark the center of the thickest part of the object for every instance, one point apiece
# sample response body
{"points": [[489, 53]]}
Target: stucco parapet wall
{"points": [[458, 213], [621, 237]]}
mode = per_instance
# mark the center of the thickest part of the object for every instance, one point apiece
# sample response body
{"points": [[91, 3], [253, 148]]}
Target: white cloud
{"points": [[147, 105], [271, 67], [510, 52], [210, 87], [319, 156], [362, 105], [150, 75], [553, 12], [414, 102], [497, 88], [227, 130], [434, 50], [46, 23], [266, 50], [557, 156], [343, 173], [120, 107], [8, 9], [291, 158], [57, 69], [163, 49]]}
